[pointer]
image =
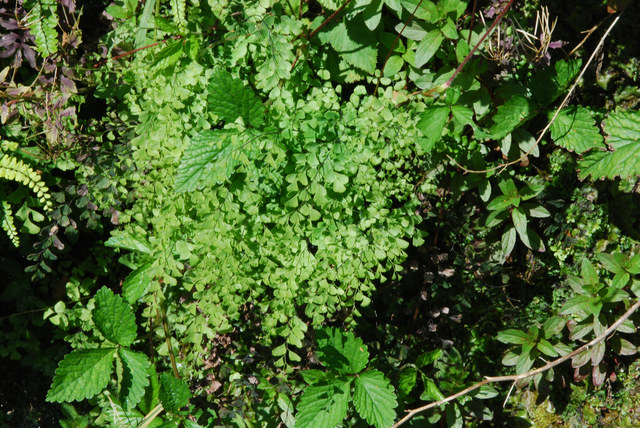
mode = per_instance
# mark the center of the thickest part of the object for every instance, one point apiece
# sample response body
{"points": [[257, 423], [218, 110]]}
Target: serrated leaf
{"points": [[623, 129], [428, 46], [136, 283], [341, 351], [314, 376], [114, 318], [431, 124], [230, 99], [82, 374], [374, 398], [354, 43], [513, 336], [511, 115], [574, 129], [323, 405], [135, 377], [209, 159], [581, 359], [627, 326], [174, 393], [597, 353], [121, 239]]}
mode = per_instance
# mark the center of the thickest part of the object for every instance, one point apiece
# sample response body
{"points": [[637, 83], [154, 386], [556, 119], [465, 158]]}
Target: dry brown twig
{"points": [[503, 166], [514, 378]]}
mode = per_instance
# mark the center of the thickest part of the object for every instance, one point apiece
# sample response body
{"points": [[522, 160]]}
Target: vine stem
{"points": [[503, 166], [514, 378]]}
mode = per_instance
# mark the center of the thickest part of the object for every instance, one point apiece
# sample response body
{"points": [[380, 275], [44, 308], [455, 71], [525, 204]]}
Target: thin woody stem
{"points": [[513, 378]]}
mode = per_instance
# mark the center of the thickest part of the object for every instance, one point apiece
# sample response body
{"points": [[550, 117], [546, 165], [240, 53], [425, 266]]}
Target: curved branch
{"points": [[513, 378]]}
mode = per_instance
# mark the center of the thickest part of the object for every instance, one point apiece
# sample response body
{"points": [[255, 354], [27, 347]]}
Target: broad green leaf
{"points": [[407, 381], [546, 348], [431, 391], [135, 377], [511, 115], [623, 129], [428, 46], [230, 99], [501, 203], [122, 239], [533, 240], [581, 359], [588, 272], [576, 304], [537, 211], [525, 362], [209, 159], [150, 397], [354, 43], [507, 243], [374, 398], [510, 359], [634, 265], [553, 326], [425, 9], [341, 351], [169, 55], [627, 327], [516, 337], [114, 318], [508, 187], [597, 353], [136, 283], [574, 129], [610, 262], [485, 392], [372, 14], [428, 357], [314, 376], [324, 405], [82, 374], [531, 191], [622, 346], [431, 124], [174, 393], [520, 222]]}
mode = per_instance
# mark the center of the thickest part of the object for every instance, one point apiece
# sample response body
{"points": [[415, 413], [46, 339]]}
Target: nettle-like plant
{"points": [[85, 373], [325, 402]]}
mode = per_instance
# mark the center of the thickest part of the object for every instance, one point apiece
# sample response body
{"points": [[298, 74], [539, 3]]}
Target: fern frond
{"points": [[14, 169], [42, 24], [178, 8], [8, 224]]}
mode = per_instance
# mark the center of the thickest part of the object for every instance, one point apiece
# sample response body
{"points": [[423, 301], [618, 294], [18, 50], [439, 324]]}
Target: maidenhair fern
{"points": [[42, 24], [178, 9], [8, 224], [14, 169]]}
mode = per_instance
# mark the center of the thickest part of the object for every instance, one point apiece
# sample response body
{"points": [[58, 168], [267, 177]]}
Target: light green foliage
{"points": [[325, 402], [84, 373], [43, 22], [178, 10], [230, 99]]}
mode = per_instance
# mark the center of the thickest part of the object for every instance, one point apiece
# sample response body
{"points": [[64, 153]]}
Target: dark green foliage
{"points": [[290, 213]]}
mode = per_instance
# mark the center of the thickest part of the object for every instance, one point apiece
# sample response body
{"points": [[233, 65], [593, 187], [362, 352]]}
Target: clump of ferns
{"points": [[13, 169], [511, 41]]}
